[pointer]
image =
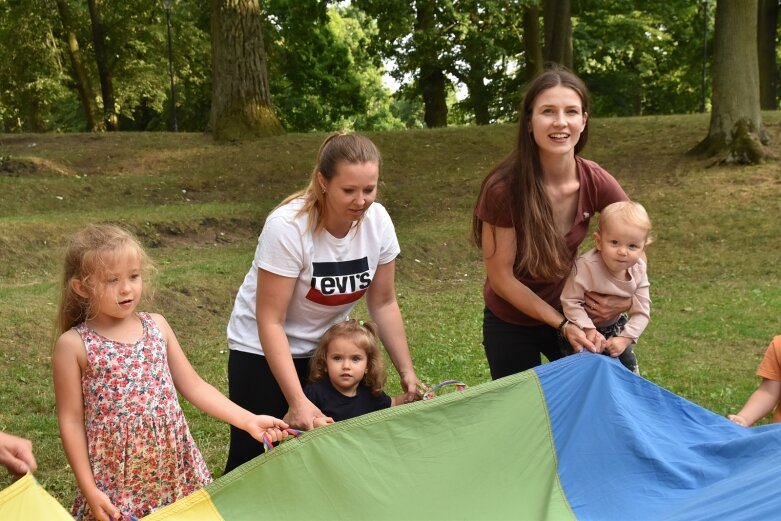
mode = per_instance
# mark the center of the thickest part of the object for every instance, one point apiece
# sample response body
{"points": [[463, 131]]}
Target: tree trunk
{"points": [[736, 132], [35, 119], [766, 51], [432, 81], [532, 43], [83, 83], [241, 99], [478, 94], [104, 72], [433, 86], [557, 24]]}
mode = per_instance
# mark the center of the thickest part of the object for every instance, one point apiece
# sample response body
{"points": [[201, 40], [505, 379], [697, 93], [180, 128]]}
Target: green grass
{"points": [[199, 207]]}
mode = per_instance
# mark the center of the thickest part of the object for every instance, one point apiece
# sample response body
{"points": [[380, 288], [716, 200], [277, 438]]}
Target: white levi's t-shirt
{"points": [[331, 274]]}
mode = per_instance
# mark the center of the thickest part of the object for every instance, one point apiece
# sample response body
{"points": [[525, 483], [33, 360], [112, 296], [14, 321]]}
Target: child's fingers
{"points": [[272, 422]]}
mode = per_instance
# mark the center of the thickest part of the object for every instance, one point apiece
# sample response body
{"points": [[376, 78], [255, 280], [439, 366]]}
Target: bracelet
{"points": [[562, 326]]}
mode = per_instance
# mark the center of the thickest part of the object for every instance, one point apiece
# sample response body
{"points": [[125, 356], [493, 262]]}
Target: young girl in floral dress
{"points": [[116, 376]]}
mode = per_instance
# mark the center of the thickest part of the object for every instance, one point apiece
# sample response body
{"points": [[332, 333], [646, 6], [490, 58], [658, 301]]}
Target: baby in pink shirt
{"points": [[615, 266]]}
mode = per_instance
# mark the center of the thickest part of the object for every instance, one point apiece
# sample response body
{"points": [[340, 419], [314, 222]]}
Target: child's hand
{"points": [[101, 506], [740, 420], [261, 424], [323, 420], [617, 345]]}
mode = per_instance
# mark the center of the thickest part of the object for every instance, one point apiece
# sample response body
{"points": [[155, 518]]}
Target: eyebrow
{"points": [[579, 107]]}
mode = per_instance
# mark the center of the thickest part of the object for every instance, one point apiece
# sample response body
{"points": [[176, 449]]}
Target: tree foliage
{"points": [[313, 73], [34, 95], [636, 61], [452, 61]]}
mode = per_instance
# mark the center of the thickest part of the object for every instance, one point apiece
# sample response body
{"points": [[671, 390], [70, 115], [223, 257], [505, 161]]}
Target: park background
{"points": [[198, 197]]}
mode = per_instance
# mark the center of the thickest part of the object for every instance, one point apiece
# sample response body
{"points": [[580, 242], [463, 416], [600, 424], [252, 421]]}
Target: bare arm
{"points": [[499, 249], [207, 398], [274, 293], [69, 359], [384, 310], [759, 404]]}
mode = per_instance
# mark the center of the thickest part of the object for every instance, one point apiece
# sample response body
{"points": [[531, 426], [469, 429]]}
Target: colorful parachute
{"points": [[581, 438], [26, 500]]}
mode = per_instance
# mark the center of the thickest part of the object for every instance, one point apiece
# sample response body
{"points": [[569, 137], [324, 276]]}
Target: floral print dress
{"points": [[140, 448]]}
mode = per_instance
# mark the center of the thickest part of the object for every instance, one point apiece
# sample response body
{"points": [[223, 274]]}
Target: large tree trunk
{"points": [[104, 71], [83, 83], [532, 43], [736, 132], [766, 51], [557, 24], [241, 99], [432, 81]]}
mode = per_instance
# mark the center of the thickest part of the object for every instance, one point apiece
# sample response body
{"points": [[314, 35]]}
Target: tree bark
{"points": [[766, 51], [532, 43], [432, 80], [83, 83], [241, 98], [557, 24], [736, 132], [104, 71]]}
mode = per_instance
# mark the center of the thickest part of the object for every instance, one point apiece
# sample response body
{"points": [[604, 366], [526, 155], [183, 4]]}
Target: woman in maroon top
{"points": [[532, 214]]}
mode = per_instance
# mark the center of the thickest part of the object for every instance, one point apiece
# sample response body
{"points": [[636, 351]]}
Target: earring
{"points": [[322, 188]]}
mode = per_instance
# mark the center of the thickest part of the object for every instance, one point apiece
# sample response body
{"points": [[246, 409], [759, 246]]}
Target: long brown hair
{"points": [[362, 334], [337, 147], [545, 255], [88, 254]]}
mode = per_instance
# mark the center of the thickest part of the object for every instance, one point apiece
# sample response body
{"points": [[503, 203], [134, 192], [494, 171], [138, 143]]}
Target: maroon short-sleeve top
{"points": [[597, 190]]}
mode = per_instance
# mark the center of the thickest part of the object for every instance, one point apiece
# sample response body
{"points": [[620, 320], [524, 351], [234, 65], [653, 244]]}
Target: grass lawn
{"points": [[199, 208]]}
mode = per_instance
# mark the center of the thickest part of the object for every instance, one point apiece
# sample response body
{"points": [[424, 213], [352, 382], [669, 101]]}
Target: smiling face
{"points": [[348, 194], [620, 244], [346, 364], [557, 120]]}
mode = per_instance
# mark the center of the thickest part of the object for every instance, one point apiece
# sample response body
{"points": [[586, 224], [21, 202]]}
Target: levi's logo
{"points": [[337, 283]]}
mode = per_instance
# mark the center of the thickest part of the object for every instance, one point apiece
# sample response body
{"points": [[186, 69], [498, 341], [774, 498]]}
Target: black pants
{"points": [[511, 349], [252, 386]]}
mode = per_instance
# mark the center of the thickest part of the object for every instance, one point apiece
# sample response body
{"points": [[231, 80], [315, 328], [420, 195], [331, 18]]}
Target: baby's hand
{"points": [[101, 506], [736, 418], [617, 345]]}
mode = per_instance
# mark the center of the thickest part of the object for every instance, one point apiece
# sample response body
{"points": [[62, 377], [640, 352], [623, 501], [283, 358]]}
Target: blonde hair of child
{"points": [[364, 335], [88, 255], [351, 148], [626, 212]]}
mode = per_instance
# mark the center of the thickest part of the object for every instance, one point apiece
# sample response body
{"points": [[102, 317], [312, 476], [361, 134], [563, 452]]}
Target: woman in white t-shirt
{"points": [[319, 252]]}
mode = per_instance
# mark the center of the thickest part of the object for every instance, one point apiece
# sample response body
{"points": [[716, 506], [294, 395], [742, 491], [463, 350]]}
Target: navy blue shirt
{"points": [[340, 407]]}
